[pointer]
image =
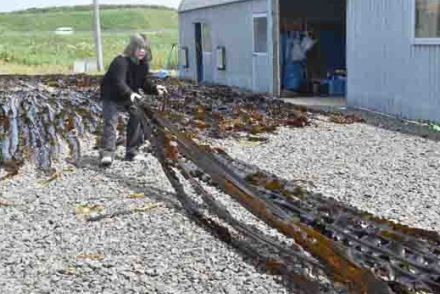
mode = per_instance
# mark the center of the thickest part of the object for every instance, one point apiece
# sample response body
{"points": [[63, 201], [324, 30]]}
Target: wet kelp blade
{"points": [[37, 122], [348, 256], [398, 253], [160, 143], [337, 264]]}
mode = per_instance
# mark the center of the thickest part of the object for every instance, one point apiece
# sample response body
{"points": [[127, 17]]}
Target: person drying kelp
{"points": [[120, 88]]}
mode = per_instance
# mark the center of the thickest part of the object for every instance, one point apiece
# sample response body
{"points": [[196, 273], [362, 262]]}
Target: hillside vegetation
{"points": [[80, 18], [28, 43]]}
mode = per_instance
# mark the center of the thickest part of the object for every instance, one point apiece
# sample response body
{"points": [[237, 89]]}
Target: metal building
{"points": [[388, 50]]}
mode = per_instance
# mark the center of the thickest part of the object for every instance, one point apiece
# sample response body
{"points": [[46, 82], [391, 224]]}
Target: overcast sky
{"points": [[8, 5]]}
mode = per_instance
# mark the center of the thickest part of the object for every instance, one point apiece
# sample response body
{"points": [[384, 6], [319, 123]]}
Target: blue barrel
{"points": [[293, 76]]}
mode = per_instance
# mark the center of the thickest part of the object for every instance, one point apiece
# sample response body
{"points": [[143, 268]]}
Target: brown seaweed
{"points": [[36, 120]]}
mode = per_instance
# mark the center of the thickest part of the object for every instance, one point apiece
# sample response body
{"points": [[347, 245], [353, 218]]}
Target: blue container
{"points": [[293, 76], [337, 86]]}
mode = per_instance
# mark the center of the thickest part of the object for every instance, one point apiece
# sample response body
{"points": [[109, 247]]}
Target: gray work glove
{"points": [[135, 97], [161, 90]]}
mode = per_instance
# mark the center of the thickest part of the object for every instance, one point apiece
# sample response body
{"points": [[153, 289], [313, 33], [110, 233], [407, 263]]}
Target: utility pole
{"points": [[97, 35]]}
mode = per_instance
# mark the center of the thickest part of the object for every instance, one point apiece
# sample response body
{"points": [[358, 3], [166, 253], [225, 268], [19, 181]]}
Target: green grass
{"points": [[80, 18], [41, 49], [28, 44]]}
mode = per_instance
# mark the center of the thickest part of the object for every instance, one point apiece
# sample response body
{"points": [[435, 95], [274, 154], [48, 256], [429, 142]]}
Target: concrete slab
{"points": [[331, 102]]}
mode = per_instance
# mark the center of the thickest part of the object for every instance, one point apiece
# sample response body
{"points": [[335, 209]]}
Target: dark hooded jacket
{"points": [[123, 78], [127, 75]]}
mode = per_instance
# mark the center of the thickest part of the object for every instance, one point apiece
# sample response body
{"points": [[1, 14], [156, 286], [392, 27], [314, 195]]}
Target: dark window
{"points": [[427, 19], [206, 38], [260, 34]]}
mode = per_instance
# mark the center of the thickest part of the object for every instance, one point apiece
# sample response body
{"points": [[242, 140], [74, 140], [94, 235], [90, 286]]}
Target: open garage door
{"points": [[312, 47]]}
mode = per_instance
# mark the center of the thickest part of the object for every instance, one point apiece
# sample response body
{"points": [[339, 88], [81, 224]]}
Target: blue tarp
{"points": [[293, 72]]}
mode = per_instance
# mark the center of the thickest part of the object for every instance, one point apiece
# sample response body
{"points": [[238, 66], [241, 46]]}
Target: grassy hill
{"points": [[80, 18], [28, 43]]}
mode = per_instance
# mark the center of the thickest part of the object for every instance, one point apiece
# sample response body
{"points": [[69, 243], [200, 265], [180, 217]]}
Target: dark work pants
{"points": [[135, 135]]}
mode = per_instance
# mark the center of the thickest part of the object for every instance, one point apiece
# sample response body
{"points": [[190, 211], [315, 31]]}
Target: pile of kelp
{"points": [[219, 111], [45, 117], [42, 118], [351, 247]]}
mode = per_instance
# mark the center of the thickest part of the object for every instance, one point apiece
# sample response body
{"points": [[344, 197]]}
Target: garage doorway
{"points": [[312, 48]]}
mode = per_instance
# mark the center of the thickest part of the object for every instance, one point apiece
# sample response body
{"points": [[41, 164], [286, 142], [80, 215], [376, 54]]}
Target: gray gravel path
{"points": [[387, 173], [46, 246]]}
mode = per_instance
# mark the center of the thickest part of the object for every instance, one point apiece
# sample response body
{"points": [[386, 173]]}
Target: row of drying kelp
{"points": [[39, 122], [39, 114], [367, 254], [219, 111]]}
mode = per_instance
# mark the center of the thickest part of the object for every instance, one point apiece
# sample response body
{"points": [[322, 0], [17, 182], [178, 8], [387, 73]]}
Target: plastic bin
{"points": [[293, 76], [334, 86], [337, 86]]}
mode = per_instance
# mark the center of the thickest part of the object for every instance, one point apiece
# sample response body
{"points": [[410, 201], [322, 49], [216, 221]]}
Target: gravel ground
{"points": [[46, 246], [390, 174]]}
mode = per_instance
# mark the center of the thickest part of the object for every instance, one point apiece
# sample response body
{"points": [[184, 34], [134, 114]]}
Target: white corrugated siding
{"points": [[386, 71], [232, 27]]}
